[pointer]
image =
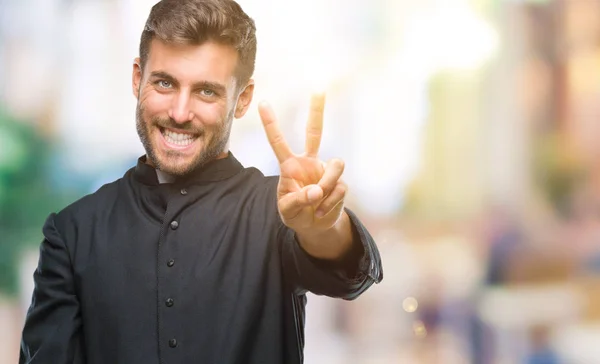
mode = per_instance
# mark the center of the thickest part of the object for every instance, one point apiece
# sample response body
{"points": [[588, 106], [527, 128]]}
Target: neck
{"points": [[223, 155], [164, 177], [168, 178]]}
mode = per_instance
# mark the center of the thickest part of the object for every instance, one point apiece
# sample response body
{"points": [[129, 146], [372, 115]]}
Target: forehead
{"points": [[208, 61]]}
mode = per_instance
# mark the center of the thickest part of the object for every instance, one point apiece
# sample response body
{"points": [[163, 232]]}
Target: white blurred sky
{"points": [[373, 58]]}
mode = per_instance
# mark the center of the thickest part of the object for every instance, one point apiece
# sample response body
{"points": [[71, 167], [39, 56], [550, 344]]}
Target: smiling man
{"points": [[187, 96], [190, 257]]}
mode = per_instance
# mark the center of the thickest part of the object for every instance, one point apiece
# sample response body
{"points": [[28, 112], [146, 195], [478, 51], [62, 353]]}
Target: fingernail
{"points": [[314, 193]]}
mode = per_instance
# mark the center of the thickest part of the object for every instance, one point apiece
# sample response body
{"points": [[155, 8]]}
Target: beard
{"points": [[170, 162]]}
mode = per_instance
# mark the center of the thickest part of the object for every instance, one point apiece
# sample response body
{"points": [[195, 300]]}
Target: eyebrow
{"points": [[215, 86]]}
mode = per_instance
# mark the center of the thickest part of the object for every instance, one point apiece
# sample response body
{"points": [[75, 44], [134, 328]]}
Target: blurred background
{"points": [[469, 131]]}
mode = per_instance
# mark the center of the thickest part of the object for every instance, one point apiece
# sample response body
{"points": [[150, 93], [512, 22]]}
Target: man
{"points": [[190, 257]]}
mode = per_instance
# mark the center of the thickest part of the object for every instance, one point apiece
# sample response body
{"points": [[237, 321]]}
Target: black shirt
{"points": [[201, 270]]}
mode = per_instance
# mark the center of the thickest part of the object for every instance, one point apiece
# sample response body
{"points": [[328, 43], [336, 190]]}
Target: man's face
{"points": [[187, 98]]}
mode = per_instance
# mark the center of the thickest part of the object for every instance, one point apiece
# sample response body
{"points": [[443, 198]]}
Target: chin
{"points": [[177, 165], [176, 160]]}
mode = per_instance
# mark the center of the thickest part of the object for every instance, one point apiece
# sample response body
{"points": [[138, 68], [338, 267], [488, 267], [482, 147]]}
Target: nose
{"points": [[180, 110]]}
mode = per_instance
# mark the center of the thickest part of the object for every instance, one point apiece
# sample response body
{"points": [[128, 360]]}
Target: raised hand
{"points": [[310, 193]]}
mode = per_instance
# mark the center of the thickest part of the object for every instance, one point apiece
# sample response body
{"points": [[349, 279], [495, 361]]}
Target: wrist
{"points": [[331, 243]]}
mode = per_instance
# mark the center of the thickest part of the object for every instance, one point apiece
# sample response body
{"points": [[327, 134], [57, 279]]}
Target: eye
{"points": [[206, 92], [164, 84]]}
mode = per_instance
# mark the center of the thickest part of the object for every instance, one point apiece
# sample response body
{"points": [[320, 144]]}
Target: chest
{"points": [[205, 253]]}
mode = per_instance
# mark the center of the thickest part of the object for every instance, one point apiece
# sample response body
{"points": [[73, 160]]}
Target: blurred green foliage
{"points": [[26, 198]]}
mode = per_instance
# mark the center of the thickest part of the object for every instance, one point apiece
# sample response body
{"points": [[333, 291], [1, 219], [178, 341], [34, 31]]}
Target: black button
{"points": [[171, 263], [170, 302], [174, 225], [172, 343], [183, 191]]}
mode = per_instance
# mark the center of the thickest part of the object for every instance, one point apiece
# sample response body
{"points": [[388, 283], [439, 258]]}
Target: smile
{"points": [[177, 140]]}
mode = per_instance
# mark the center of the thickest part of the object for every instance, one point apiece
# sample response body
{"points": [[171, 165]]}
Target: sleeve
{"points": [[347, 279], [52, 332]]}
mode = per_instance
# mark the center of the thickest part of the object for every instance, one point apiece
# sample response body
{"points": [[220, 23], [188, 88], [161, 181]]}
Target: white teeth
{"points": [[178, 138]]}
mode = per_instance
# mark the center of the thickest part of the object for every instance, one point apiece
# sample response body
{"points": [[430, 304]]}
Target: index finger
{"points": [[314, 128], [274, 135]]}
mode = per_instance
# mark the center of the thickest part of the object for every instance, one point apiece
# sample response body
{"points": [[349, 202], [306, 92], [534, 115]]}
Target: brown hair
{"points": [[193, 22]]}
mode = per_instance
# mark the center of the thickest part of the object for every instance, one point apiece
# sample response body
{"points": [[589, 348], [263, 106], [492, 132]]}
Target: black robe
{"points": [[201, 270]]}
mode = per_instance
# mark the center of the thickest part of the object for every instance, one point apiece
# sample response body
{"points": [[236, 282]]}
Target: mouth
{"points": [[177, 140]]}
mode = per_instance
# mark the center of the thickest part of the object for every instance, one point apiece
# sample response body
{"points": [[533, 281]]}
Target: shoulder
{"points": [[85, 208], [256, 182], [260, 191]]}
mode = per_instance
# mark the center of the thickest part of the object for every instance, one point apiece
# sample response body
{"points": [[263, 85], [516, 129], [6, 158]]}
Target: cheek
{"points": [[154, 104], [210, 114]]}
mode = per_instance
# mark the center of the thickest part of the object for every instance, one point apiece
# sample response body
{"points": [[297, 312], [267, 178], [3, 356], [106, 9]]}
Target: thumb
{"points": [[292, 203], [313, 193]]}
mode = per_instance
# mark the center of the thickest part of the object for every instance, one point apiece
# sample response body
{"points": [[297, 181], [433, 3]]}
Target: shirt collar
{"points": [[213, 171], [164, 177]]}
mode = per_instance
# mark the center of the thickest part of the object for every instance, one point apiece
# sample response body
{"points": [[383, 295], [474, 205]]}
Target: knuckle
{"points": [[313, 132], [317, 108], [284, 207], [326, 205], [300, 198], [277, 138]]}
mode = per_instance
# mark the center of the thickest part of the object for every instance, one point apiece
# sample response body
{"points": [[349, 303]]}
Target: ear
{"points": [[136, 77], [244, 99]]}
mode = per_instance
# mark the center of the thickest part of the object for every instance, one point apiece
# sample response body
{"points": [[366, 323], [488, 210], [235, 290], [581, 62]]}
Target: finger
{"points": [[274, 135], [291, 204], [333, 200], [333, 171], [314, 128]]}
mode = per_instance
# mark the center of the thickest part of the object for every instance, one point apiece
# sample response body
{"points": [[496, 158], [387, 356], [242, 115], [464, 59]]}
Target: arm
{"points": [[52, 332], [320, 239], [339, 238], [347, 276]]}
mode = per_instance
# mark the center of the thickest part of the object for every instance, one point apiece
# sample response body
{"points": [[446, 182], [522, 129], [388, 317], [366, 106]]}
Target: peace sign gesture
{"points": [[310, 193]]}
